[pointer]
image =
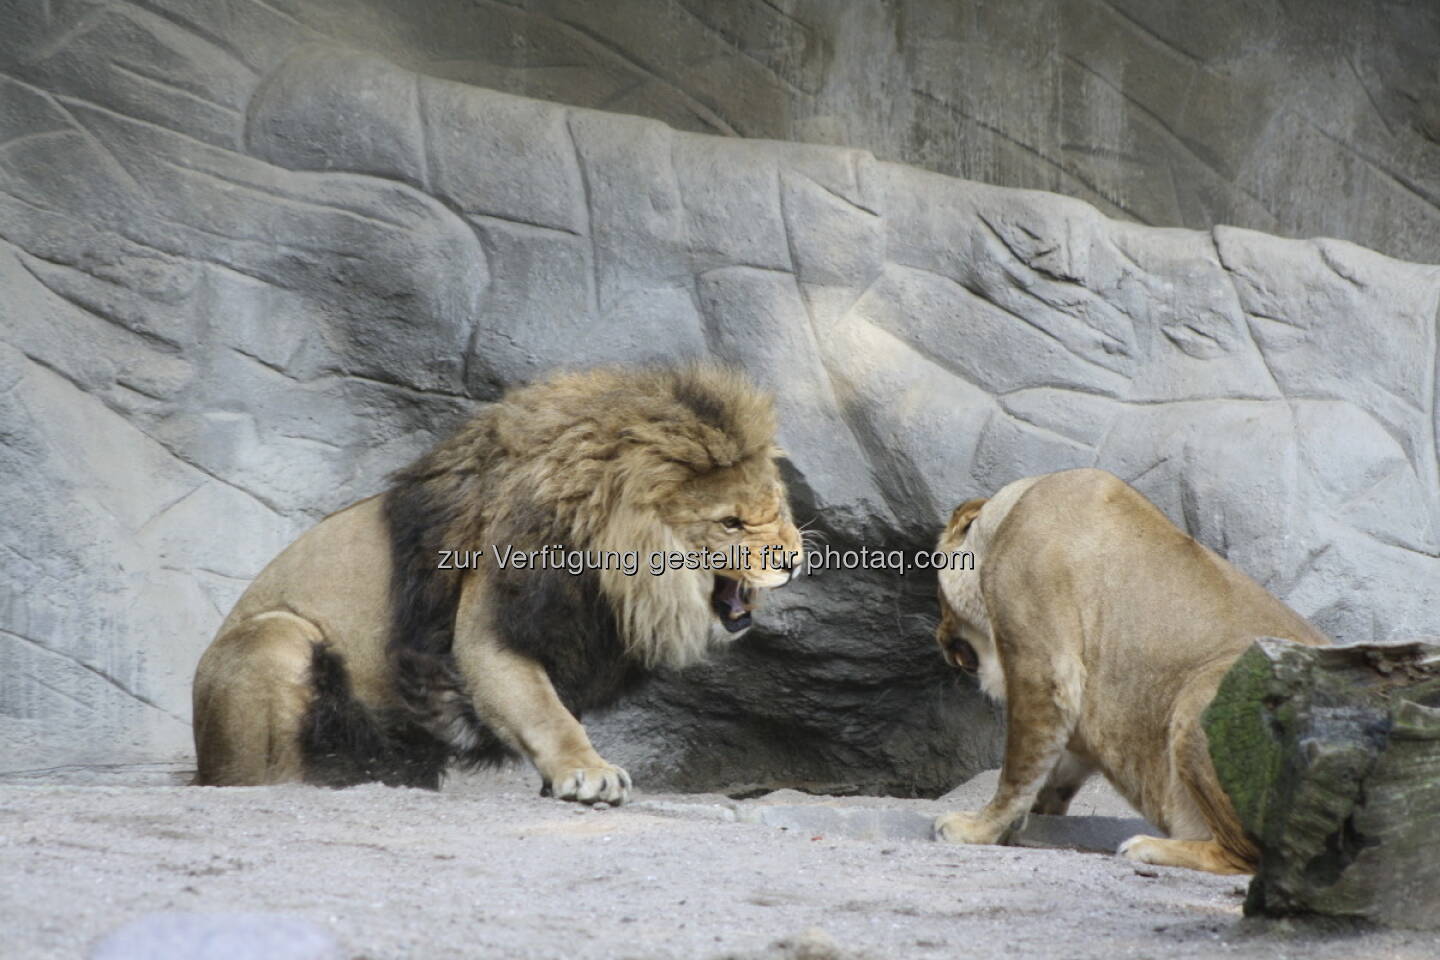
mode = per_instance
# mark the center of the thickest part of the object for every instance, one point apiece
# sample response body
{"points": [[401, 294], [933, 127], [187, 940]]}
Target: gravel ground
{"points": [[485, 868]]}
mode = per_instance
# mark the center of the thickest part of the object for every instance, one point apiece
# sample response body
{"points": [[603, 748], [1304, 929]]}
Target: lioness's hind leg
{"points": [[1204, 855], [1198, 809], [252, 691]]}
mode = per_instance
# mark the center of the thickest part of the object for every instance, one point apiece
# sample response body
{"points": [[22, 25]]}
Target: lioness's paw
{"points": [[605, 783], [1142, 849], [966, 828]]}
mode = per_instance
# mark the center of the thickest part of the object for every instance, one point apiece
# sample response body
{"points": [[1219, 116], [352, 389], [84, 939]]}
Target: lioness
{"points": [[1105, 630], [449, 617]]}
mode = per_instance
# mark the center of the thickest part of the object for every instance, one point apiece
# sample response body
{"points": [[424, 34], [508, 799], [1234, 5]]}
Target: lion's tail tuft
{"points": [[345, 743]]}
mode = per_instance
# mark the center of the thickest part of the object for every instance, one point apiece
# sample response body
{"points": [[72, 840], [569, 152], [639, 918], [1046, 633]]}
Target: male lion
{"points": [[390, 639], [1105, 630]]}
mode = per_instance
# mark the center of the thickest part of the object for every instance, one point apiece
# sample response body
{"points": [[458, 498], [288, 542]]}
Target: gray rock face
{"points": [[1321, 119], [248, 271]]}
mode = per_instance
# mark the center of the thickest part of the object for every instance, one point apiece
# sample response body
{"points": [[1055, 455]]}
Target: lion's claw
{"points": [[607, 784]]}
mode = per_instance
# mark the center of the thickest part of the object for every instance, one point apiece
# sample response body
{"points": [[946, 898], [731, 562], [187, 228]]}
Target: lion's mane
{"points": [[582, 460]]}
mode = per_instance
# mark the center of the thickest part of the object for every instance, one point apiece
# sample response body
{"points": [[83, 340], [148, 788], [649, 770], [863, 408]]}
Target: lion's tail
{"points": [[344, 742]]}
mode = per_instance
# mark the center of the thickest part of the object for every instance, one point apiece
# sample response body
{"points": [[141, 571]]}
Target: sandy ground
{"points": [[486, 868]]}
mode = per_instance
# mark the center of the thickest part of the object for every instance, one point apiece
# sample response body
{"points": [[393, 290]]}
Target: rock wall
{"points": [[248, 270], [1321, 119]]}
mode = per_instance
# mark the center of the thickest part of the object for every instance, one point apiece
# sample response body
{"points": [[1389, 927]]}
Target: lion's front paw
{"points": [[591, 784], [966, 828]]}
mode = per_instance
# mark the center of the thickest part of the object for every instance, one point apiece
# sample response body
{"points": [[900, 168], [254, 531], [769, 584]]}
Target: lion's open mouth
{"points": [[731, 601], [965, 657]]}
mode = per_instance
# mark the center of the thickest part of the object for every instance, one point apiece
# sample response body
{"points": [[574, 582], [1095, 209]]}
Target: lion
{"points": [[1105, 630], [506, 582]]}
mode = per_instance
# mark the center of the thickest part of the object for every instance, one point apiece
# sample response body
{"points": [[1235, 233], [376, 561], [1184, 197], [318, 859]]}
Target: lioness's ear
{"points": [[964, 515]]}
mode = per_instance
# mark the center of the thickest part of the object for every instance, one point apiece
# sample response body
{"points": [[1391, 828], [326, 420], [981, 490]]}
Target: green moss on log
{"points": [[1254, 754]]}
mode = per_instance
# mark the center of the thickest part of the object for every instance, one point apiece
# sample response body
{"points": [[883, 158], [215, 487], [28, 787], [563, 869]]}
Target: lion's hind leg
{"points": [[273, 703], [252, 692]]}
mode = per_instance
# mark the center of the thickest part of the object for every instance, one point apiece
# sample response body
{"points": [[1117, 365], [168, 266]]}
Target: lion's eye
{"points": [[732, 524]]}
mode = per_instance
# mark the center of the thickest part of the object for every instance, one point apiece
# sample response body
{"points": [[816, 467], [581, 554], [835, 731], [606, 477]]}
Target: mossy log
{"points": [[1331, 756]]}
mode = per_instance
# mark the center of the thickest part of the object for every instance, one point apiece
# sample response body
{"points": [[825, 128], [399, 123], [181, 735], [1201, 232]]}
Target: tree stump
{"points": [[1331, 756]]}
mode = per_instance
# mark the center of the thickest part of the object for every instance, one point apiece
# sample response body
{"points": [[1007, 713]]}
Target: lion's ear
{"points": [[964, 515]]}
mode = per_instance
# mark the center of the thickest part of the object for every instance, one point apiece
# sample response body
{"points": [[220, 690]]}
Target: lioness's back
{"points": [[1090, 529]]}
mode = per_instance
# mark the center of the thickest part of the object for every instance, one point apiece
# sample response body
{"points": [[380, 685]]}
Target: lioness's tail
{"points": [[1228, 849], [1234, 851]]}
